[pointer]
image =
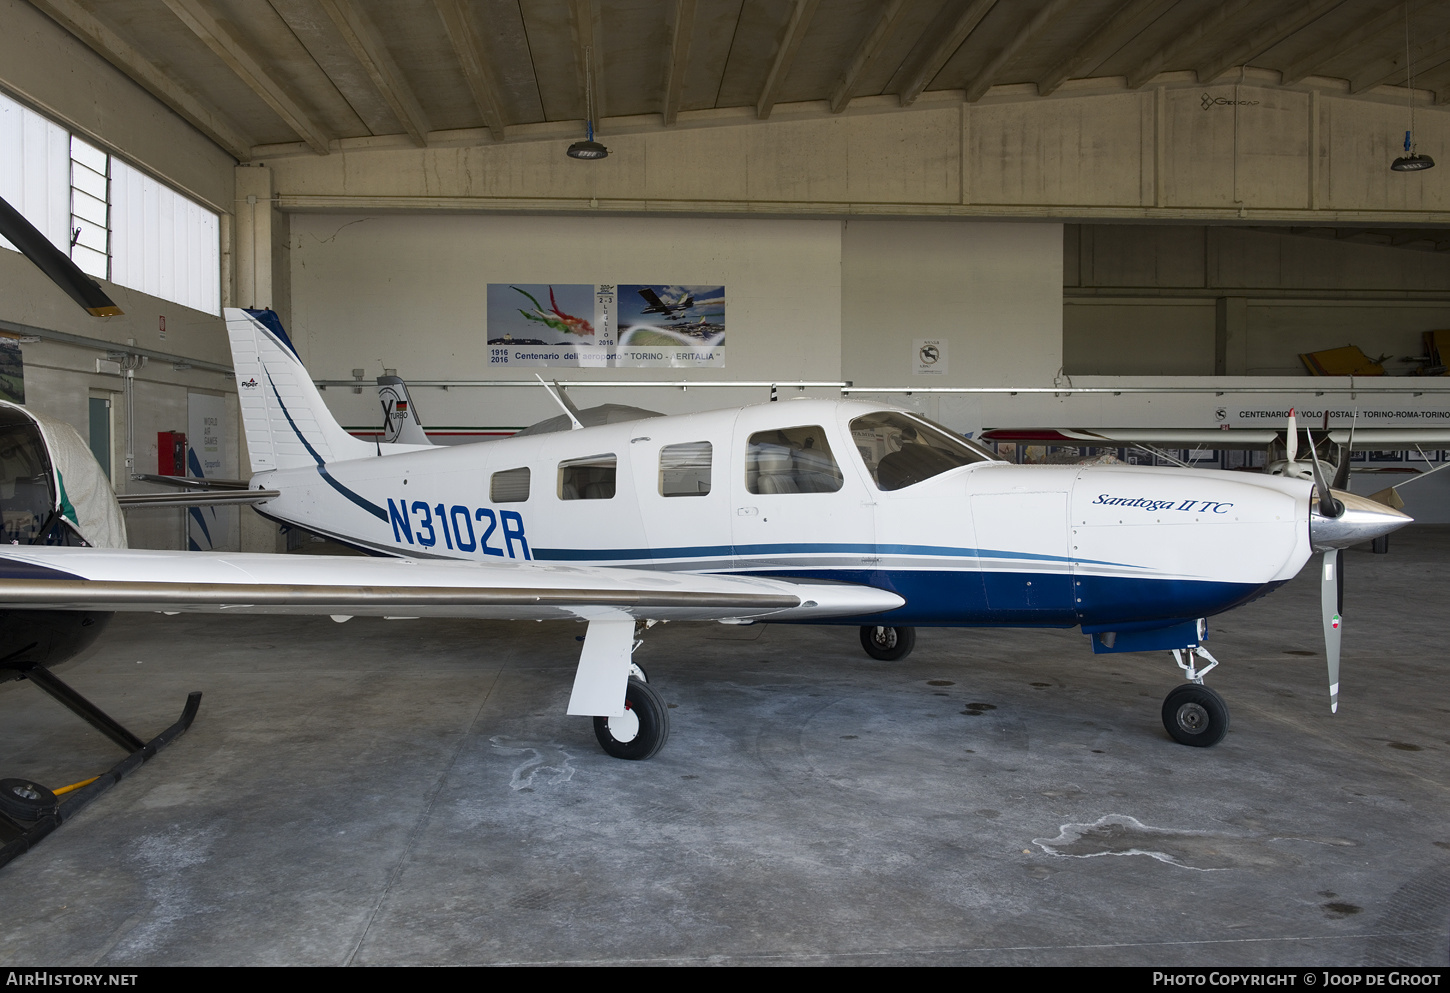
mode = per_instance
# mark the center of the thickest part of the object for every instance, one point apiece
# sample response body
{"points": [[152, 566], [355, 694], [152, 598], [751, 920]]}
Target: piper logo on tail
{"points": [[248, 384]]}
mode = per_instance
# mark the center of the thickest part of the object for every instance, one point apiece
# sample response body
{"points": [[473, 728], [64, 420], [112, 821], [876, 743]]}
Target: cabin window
{"points": [[509, 486], [589, 478], [791, 460], [685, 469], [900, 450]]}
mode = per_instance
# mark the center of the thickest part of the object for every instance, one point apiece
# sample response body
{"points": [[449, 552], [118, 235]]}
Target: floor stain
{"points": [[1120, 834], [526, 774]]}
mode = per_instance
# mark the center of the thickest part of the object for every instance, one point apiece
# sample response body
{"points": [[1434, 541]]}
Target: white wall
{"points": [[992, 290], [805, 300]]}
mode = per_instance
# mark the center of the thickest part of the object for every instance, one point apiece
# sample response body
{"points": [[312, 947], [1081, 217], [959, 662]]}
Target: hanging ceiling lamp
{"points": [[588, 149], [1410, 161]]}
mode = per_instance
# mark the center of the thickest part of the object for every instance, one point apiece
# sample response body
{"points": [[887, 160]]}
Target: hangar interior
{"points": [[1165, 201]]}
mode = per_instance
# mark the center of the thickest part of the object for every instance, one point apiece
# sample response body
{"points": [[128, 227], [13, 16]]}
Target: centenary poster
{"points": [[603, 325]]}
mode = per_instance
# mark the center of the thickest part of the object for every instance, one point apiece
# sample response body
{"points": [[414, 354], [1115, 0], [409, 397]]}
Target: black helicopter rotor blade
{"points": [[54, 263]]}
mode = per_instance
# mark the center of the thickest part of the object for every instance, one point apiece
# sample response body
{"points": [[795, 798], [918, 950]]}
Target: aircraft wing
{"points": [[103, 579], [652, 298], [1365, 439]]}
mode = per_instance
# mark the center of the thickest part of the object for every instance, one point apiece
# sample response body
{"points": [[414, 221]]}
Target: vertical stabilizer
{"points": [[401, 424], [287, 424]]}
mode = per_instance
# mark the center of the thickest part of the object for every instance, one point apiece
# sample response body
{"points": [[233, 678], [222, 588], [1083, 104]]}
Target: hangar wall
{"points": [[1201, 300], [95, 100], [812, 300]]}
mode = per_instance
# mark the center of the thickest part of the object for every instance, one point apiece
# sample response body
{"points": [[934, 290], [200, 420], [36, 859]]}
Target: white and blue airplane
{"points": [[804, 511]]}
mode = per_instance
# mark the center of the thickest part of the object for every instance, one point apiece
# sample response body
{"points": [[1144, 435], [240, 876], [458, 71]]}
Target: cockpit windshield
{"points": [[900, 450], [26, 500]]}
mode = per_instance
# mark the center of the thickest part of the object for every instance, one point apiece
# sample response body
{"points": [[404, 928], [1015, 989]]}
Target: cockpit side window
{"points": [[589, 478], [791, 460], [900, 450]]}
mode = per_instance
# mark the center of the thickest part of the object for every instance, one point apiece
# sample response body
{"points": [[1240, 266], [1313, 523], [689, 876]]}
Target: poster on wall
{"points": [[12, 373], [603, 325], [208, 456]]}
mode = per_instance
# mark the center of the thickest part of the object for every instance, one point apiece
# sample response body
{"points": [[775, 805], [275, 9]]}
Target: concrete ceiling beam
{"points": [[109, 45], [476, 70], [589, 56], [198, 16], [368, 48], [1262, 38], [790, 43], [1126, 24], [961, 30], [1040, 23], [1202, 33], [867, 54], [679, 58]]}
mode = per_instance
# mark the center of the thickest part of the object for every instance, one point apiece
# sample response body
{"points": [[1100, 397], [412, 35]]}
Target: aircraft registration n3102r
{"points": [[806, 511]]}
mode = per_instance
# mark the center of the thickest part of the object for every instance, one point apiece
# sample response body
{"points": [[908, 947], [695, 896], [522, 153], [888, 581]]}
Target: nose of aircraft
{"points": [[1361, 520]]}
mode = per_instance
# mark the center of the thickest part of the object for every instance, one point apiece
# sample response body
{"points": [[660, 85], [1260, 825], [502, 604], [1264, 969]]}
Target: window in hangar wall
{"points": [[114, 221]]}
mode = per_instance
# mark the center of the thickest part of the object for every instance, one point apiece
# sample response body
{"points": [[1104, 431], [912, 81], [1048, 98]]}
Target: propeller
{"points": [[54, 263], [1331, 587], [1291, 446]]}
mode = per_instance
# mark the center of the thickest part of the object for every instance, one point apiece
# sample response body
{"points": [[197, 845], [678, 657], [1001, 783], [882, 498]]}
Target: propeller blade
{"points": [[1328, 601], [1341, 474], [1291, 444], [1328, 506], [54, 263]]}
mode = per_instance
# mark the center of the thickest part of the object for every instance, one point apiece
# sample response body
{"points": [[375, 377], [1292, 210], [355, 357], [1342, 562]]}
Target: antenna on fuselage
{"points": [[557, 392]]}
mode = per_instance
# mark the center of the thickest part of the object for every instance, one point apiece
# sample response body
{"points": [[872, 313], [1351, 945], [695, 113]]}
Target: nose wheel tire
{"points": [[26, 801], [1195, 715], [888, 644], [641, 731]]}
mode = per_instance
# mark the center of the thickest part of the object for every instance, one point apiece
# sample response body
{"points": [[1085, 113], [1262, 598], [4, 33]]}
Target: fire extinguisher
{"points": [[170, 453]]}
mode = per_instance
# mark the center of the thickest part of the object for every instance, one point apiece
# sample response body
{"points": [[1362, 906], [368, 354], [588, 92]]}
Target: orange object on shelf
{"points": [[1346, 361]]}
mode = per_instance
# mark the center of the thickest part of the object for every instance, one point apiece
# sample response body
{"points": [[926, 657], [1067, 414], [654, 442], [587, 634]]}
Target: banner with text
{"points": [[605, 326]]}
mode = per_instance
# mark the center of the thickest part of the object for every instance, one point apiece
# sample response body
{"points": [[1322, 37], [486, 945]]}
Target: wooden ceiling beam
{"points": [[467, 47], [1043, 20], [867, 54], [589, 55], [1126, 24], [109, 45], [1362, 33], [954, 39], [1380, 71], [1262, 38], [368, 48], [790, 43], [679, 59], [198, 16], [1178, 51]]}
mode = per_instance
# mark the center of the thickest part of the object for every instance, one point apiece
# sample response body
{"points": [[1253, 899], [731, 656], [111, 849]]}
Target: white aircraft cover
{"points": [[86, 497]]}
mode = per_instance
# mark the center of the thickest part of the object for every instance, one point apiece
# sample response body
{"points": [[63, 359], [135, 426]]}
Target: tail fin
{"points": [[287, 424], [401, 424]]}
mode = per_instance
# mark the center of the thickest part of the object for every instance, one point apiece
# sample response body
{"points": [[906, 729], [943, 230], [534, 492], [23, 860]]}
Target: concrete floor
{"points": [[409, 792]]}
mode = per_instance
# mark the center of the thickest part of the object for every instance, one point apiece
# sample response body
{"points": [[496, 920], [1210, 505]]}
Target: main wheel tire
{"points": [[1195, 715], [888, 644], [25, 800], [643, 729]]}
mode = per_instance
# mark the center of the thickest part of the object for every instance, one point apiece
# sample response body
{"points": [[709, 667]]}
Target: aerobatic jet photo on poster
{"points": [[671, 325]]}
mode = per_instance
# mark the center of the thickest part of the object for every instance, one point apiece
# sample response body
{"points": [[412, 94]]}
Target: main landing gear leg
{"points": [[644, 727], [1193, 714]]}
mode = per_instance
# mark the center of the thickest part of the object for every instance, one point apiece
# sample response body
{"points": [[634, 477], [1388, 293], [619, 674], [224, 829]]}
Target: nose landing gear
{"points": [[1193, 714]]}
